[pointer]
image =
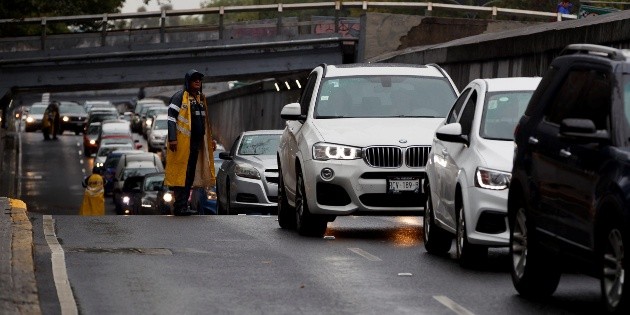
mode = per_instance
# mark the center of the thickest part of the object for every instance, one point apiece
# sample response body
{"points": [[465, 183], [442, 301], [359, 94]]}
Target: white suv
{"points": [[358, 141]]}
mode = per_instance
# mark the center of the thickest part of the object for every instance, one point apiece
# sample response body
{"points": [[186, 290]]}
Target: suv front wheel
{"points": [[286, 218], [306, 223]]}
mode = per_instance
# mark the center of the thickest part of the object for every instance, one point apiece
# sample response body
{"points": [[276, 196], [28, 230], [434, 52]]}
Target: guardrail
{"points": [[107, 20]]}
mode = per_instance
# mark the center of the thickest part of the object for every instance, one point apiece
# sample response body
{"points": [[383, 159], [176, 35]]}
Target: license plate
{"points": [[396, 185]]}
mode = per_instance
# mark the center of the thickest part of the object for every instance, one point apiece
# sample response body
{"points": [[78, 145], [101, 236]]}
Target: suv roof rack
{"points": [[611, 53]]}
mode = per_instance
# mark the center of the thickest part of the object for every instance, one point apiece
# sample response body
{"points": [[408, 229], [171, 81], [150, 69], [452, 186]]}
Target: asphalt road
{"points": [[247, 264]]}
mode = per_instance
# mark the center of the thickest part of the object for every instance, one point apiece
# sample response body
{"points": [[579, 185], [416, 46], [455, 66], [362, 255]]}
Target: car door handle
{"points": [[565, 153], [532, 140]]}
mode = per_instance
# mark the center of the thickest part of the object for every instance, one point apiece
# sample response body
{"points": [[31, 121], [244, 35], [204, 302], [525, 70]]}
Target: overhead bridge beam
{"points": [[93, 69]]}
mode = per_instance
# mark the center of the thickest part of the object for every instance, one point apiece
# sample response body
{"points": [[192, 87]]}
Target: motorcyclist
{"points": [[50, 121]]}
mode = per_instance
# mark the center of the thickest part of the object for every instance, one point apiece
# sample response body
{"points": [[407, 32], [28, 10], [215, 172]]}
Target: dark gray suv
{"points": [[569, 199]]}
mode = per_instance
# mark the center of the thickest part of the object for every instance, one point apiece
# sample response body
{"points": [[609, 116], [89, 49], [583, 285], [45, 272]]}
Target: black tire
{"points": [[436, 240], [228, 203], [286, 213], [611, 240], [468, 254], [534, 274], [306, 223], [220, 207]]}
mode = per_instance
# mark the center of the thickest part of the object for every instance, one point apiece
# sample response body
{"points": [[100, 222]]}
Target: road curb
{"points": [[20, 295]]}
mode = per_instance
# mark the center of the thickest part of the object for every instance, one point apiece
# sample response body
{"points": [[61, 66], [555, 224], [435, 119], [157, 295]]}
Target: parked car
{"points": [[90, 136], [34, 117], [73, 117], [358, 141], [248, 178], [156, 136], [468, 169], [133, 165], [568, 203]]}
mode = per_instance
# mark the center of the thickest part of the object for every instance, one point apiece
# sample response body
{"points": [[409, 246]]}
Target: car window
{"points": [[234, 146], [93, 130], [457, 107], [153, 183], [626, 96], [259, 145], [37, 110], [137, 172], [501, 113], [307, 93], [384, 96], [583, 94], [468, 113], [161, 124]]}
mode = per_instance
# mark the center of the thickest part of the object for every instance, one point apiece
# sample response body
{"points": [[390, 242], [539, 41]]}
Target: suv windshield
{"points": [[501, 113], [384, 96]]}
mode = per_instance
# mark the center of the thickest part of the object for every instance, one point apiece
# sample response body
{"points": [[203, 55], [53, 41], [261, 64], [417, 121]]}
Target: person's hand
{"points": [[172, 145]]}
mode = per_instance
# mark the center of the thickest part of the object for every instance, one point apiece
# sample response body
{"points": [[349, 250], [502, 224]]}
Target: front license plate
{"points": [[396, 185]]}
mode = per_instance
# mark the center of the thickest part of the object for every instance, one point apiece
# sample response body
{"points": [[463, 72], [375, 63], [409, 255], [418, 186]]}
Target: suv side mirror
{"points": [[582, 129], [452, 133], [224, 156], [292, 111]]}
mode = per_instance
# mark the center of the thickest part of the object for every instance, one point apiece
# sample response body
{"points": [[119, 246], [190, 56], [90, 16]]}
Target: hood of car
{"points": [[259, 161], [496, 154], [365, 132]]}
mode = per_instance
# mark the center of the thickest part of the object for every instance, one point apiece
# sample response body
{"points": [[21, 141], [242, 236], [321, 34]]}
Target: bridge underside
{"points": [[99, 69]]}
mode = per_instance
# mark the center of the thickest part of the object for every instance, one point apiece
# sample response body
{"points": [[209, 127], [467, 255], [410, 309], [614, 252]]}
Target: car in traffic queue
{"points": [[247, 180], [357, 142], [90, 146], [130, 195], [98, 104], [100, 116], [118, 131], [156, 135], [133, 165], [108, 170], [140, 111], [568, 203], [469, 169], [105, 149], [149, 118], [33, 121], [148, 200], [73, 117]]}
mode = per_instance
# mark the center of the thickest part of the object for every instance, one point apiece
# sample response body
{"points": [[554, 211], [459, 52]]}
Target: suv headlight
{"points": [[328, 151], [247, 171], [492, 179]]}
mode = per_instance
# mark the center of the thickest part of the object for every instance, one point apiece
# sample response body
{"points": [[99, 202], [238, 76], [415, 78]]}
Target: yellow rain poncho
{"points": [[94, 197]]}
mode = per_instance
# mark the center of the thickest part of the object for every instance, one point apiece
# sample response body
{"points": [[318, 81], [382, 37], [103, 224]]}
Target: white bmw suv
{"points": [[358, 141]]}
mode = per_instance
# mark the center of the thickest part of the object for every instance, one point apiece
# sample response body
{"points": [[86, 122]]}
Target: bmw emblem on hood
{"points": [[402, 140]]}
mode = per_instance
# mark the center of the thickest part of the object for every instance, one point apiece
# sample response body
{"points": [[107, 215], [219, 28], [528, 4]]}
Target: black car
{"points": [[73, 117], [569, 197]]}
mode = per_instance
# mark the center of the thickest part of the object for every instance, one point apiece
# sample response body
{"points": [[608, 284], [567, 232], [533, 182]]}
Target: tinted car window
{"points": [[626, 96], [468, 114], [454, 114], [580, 95]]}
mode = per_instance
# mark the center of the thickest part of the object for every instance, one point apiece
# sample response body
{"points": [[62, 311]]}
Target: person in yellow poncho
{"points": [[94, 197], [189, 158]]}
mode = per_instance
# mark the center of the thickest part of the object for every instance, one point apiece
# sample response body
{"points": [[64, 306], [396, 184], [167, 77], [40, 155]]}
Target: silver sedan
{"points": [[247, 181]]}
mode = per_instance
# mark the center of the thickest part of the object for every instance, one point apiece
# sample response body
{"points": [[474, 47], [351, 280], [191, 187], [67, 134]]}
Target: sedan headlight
{"points": [[30, 119], [168, 197], [148, 122], [125, 200], [66, 118], [328, 151], [492, 179], [247, 171]]}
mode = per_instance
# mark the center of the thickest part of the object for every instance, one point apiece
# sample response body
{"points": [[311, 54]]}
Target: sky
{"points": [[131, 6]]}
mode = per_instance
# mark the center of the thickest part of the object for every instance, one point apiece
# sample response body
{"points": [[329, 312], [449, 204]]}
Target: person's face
{"points": [[195, 83]]}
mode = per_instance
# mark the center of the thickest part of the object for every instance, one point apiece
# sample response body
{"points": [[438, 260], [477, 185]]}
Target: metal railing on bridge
{"points": [[283, 24]]}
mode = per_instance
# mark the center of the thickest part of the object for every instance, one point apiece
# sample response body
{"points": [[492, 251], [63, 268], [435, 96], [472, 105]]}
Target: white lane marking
{"points": [[364, 254], [64, 292], [458, 309]]}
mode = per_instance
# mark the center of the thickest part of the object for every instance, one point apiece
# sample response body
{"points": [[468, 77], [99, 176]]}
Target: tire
{"points": [[228, 203], [306, 223], [286, 213], [220, 207], [468, 254], [436, 240], [611, 241], [533, 274]]}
